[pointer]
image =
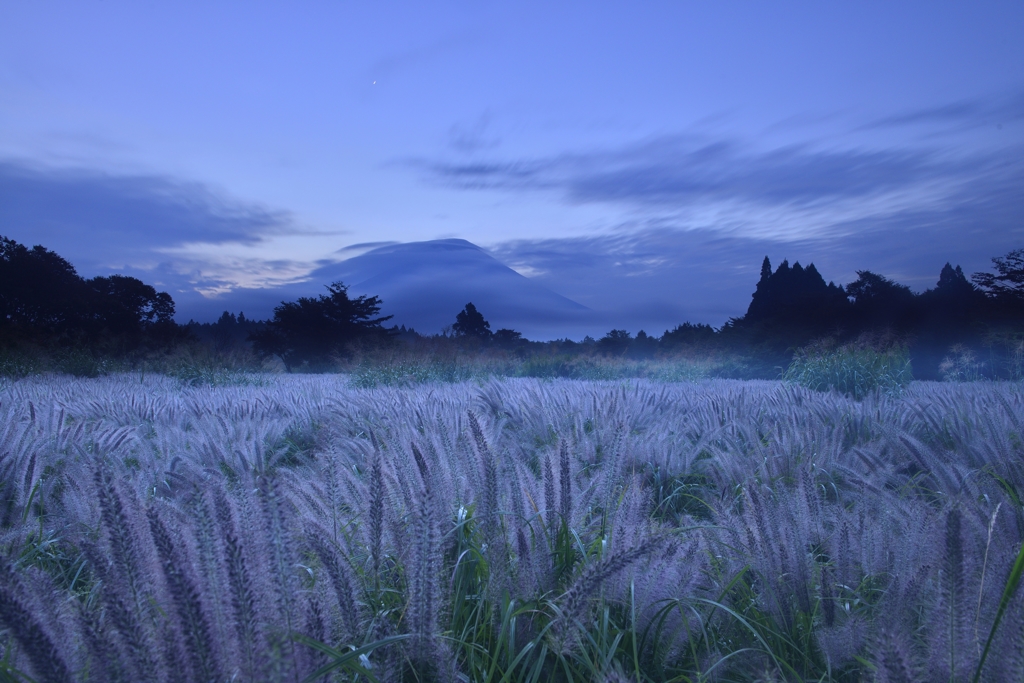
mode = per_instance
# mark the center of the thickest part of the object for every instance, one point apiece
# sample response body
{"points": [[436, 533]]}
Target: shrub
{"points": [[853, 370]]}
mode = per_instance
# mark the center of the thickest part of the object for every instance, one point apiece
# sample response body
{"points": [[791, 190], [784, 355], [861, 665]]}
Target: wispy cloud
{"points": [[363, 246], [129, 212], [962, 115], [679, 170], [184, 236], [469, 138], [792, 192]]}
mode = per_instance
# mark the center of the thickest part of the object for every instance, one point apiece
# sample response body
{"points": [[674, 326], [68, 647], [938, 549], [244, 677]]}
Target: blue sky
{"points": [[640, 158]]}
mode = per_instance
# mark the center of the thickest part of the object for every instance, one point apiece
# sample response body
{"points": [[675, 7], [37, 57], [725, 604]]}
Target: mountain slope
{"points": [[425, 285]]}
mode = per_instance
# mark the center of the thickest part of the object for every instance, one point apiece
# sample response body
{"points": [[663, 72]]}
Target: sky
{"points": [[638, 158]]}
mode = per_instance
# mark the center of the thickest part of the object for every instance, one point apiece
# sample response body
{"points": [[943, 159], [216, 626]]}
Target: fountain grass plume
{"points": [[192, 621], [953, 586], [572, 604], [895, 660], [376, 515], [424, 585], [549, 492], [341, 581], [40, 649], [242, 590], [565, 481]]}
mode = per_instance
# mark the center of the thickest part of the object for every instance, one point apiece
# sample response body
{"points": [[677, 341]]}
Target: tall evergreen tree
{"points": [[949, 314], [470, 323], [766, 271], [796, 297]]}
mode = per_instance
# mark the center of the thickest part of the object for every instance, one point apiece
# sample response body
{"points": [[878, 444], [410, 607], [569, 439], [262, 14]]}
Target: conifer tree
{"points": [[470, 323]]}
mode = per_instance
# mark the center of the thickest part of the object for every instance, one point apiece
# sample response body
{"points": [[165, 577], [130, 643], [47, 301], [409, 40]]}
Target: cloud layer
{"points": [[133, 212], [677, 170], [175, 233]]}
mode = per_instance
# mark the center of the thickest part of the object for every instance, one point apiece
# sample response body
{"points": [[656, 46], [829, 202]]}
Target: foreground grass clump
{"points": [[854, 370], [300, 528]]}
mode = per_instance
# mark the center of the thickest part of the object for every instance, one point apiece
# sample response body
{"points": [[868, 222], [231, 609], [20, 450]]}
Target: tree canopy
{"points": [[312, 332], [795, 295], [1008, 282], [43, 299], [470, 323]]}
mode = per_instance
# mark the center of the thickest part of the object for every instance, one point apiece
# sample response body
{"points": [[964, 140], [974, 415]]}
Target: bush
{"points": [[853, 370]]}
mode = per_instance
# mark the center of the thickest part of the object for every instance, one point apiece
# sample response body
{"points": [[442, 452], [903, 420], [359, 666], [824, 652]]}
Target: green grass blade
{"points": [[1011, 587], [347, 660], [750, 627]]}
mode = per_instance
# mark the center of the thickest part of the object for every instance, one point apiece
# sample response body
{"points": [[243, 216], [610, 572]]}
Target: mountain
{"points": [[425, 285]]}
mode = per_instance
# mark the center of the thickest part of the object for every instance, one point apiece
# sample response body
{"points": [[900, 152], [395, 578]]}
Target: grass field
{"points": [[291, 528]]}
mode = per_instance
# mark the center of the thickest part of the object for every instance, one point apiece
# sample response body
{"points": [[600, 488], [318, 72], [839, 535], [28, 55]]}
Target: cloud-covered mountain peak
{"points": [[425, 285]]}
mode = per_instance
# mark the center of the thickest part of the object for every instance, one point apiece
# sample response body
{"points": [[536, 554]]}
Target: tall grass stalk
{"points": [[1009, 590]]}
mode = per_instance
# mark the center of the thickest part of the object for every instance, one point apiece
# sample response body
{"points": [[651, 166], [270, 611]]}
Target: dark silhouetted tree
{"points": [[43, 300], [880, 303], [788, 309], [796, 297], [507, 339], [1008, 282], [954, 301], [689, 335], [1004, 317], [643, 346], [229, 333], [470, 323], [952, 282], [40, 292], [951, 313], [314, 331], [124, 305], [223, 331], [615, 343]]}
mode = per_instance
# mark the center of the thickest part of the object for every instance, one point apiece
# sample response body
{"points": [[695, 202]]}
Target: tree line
{"points": [[44, 302], [793, 306]]}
